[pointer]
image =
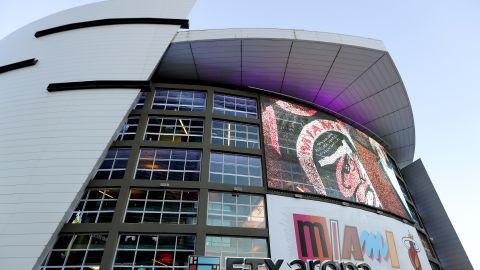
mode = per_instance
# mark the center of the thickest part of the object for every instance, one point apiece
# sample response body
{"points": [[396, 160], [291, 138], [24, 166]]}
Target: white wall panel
{"points": [[50, 142]]}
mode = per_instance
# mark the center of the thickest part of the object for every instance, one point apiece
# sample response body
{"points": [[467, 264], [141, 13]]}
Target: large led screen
{"points": [[311, 230], [310, 151]]}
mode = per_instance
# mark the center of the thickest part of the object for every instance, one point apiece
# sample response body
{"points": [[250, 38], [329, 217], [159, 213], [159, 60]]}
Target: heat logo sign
{"points": [[316, 241]]}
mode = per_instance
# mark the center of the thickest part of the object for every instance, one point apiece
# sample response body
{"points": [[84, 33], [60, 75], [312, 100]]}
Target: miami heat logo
{"points": [[325, 145], [413, 250]]}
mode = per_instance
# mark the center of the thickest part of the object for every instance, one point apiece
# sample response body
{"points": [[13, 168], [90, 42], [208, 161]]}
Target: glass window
{"points": [[235, 106], [162, 206], [235, 169], [76, 251], [236, 210], [235, 247], [157, 251], [235, 134], [179, 100], [167, 129], [141, 101], [96, 206], [434, 266], [426, 245], [114, 164], [129, 129], [414, 215], [169, 164], [404, 190]]}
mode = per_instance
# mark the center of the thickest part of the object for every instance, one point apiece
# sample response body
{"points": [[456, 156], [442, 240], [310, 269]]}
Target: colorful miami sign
{"points": [[319, 239]]}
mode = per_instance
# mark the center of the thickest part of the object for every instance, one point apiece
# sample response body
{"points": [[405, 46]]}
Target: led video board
{"points": [[310, 151], [313, 232]]}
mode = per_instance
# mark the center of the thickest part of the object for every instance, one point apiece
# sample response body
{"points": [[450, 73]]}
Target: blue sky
{"points": [[434, 45]]}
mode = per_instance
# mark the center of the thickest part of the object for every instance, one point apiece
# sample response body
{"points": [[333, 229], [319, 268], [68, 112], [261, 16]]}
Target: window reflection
{"points": [[236, 210], [141, 101], [162, 206], [129, 129], [95, 206], [168, 129], [235, 247], [169, 164], [235, 169], [158, 250], [179, 100], [114, 164], [235, 134], [235, 106], [75, 251]]}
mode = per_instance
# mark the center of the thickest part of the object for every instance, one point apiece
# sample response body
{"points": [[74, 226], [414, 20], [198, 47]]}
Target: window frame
{"points": [[85, 200], [251, 144], [185, 130], [236, 113], [179, 105], [235, 215], [164, 200], [114, 160], [236, 166], [169, 171]]}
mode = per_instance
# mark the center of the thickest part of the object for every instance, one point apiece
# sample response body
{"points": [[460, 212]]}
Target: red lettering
{"points": [[327, 125], [310, 133], [341, 124], [316, 129], [305, 146], [306, 142]]}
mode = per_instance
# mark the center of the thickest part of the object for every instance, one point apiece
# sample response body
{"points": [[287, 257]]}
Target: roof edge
{"points": [[276, 33]]}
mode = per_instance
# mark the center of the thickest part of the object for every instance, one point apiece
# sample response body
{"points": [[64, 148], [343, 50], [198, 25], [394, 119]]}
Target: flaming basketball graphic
{"points": [[413, 250]]}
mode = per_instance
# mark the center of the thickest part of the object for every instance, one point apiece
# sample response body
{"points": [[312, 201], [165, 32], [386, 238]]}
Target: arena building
{"points": [[130, 142]]}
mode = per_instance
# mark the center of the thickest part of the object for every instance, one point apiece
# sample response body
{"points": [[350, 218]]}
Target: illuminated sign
{"points": [[313, 241], [310, 231], [309, 151]]}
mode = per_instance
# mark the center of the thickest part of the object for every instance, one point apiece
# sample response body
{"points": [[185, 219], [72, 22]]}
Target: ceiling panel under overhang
{"points": [[352, 76]]}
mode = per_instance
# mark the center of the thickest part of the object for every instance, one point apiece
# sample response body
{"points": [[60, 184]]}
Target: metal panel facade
{"points": [[51, 141], [445, 240]]}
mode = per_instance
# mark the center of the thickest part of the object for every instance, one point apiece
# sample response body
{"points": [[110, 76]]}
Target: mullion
{"points": [[231, 108], [128, 185], [86, 251]]}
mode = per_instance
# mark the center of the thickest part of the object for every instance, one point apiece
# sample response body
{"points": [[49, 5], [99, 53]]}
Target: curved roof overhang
{"points": [[353, 77]]}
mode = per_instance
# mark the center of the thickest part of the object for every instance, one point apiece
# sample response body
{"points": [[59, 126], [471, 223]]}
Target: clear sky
{"points": [[435, 45]]}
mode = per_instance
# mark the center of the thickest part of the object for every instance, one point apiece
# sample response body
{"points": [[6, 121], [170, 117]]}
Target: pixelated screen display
{"points": [[310, 151]]}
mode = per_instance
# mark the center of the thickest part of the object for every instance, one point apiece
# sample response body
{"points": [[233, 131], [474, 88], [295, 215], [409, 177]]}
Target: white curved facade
{"points": [[51, 141]]}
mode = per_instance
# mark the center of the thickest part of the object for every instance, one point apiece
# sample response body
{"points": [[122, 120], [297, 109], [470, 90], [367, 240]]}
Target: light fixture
{"points": [[106, 194], [228, 135], [156, 261], [183, 126], [151, 166]]}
